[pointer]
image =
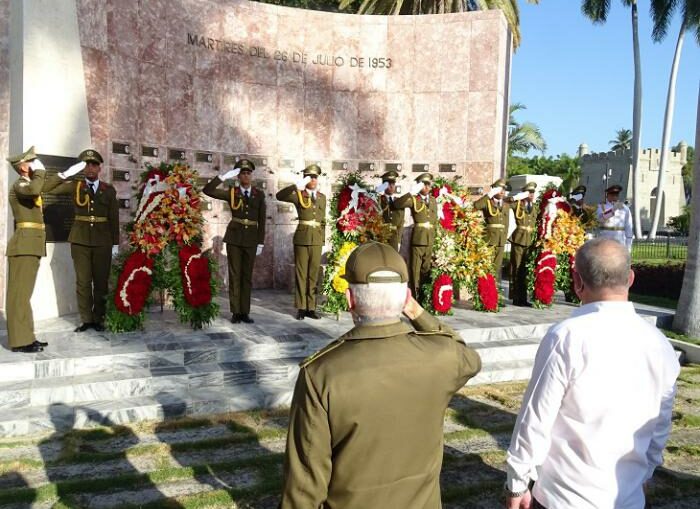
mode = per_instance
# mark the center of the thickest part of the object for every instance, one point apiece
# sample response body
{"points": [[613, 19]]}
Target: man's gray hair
{"points": [[378, 302], [603, 263]]}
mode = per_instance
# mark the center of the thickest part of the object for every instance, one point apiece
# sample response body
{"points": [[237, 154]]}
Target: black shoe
{"points": [[40, 343], [301, 314], [235, 318], [83, 327], [246, 319], [312, 314], [32, 348], [98, 327]]}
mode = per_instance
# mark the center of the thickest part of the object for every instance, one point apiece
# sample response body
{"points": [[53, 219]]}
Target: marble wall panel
{"points": [[347, 44], [123, 111], [319, 48], [370, 129], [317, 122], [97, 74], [93, 23], [122, 27], [235, 113], [207, 127], [344, 124], [480, 174], [284, 255], [454, 72], [181, 21], [483, 71], [400, 48], [426, 126], [290, 39], [152, 31], [428, 62], [454, 114], [179, 108], [151, 104], [263, 119], [482, 126], [373, 36], [290, 123], [399, 125]]}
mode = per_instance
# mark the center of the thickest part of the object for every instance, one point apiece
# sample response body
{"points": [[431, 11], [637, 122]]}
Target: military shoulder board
{"points": [[323, 351]]}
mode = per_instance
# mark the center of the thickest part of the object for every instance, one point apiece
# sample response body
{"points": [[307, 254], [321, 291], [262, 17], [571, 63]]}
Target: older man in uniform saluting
{"points": [[393, 216], [24, 251], [94, 236], [615, 218], [309, 238], [424, 212], [496, 214], [365, 425], [521, 240], [245, 234]]}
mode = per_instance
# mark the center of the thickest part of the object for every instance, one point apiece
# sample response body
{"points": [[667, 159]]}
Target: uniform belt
{"points": [[613, 228], [312, 222], [495, 225], [425, 225], [91, 219], [36, 226], [246, 222], [392, 227], [526, 228]]}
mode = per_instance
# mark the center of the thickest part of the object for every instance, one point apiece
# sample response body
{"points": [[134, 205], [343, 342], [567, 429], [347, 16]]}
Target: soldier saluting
{"points": [[496, 214], [309, 238], [521, 239], [94, 236], [245, 234], [24, 251], [392, 215]]}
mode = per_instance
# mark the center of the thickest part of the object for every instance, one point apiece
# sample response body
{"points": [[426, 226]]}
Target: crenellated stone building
{"points": [[600, 170]]}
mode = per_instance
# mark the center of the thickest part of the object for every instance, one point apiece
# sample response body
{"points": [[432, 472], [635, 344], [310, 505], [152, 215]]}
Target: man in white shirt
{"points": [[597, 412], [615, 218]]}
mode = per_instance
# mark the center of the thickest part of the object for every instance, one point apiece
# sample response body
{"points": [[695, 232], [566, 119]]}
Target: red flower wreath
{"points": [[545, 277], [488, 293], [442, 293], [134, 284], [344, 199], [194, 268]]}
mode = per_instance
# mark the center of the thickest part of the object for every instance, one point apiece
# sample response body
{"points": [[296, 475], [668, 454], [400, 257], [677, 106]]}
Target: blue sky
{"points": [[576, 78]]}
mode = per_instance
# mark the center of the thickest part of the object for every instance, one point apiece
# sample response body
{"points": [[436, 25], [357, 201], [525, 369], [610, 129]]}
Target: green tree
{"points": [[681, 223], [662, 12], [622, 141], [563, 166], [597, 11], [523, 137]]}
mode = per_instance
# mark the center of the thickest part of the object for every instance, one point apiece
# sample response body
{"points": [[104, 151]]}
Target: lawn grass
{"points": [[681, 337], [652, 300]]}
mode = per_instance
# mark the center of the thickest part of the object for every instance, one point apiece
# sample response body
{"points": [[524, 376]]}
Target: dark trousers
{"points": [[518, 273], [241, 261], [420, 264], [21, 277], [92, 264], [307, 264]]}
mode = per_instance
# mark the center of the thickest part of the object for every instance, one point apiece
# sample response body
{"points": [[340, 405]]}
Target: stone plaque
{"points": [[204, 157], [121, 148], [121, 175], [284, 208], [420, 168], [393, 167], [475, 190], [149, 151], [258, 161], [205, 205], [124, 203], [58, 209], [260, 183], [230, 160], [177, 154], [286, 164], [447, 168], [340, 165], [367, 166]]}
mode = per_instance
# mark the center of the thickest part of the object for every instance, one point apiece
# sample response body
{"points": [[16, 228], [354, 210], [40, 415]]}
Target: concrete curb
{"points": [[691, 351]]}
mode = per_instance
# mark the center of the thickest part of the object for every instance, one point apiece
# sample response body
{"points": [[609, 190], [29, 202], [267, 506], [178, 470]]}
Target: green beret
{"points": [[499, 183], [529, 187], [426, 178], [24, 157], [579, 190], [90, 156], [312, 170], [244, 165], [614, 189], [374, 262], [390, 176]]}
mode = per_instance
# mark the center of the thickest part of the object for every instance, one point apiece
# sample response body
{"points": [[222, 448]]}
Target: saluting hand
{"points": [[259, 250], [230, 174], [301, 183], [494, 191], [381, 188], [36, 164], [416, 187], [73, 170]]}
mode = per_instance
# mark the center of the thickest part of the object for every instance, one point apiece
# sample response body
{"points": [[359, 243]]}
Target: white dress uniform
{"points": [[615, 222]]}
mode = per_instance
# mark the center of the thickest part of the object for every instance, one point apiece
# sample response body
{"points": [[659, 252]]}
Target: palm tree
{"points": [[523, 137], [622, 141], [597, 11], [687, 319], [509, 8], [662, 11]]}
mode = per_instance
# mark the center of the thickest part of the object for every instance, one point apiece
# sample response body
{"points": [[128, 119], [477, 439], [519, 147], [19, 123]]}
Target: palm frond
{"points": [[596, 10]]}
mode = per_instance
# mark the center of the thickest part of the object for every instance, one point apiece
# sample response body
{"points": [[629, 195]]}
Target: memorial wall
{"points": [[207, 81]]}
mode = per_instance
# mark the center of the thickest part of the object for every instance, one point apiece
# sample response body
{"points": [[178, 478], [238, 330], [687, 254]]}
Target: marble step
{"points": [[138, 382], [506, 350], [503, 371]]}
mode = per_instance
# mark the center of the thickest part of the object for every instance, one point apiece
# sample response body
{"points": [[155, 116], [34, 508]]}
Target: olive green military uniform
{"points": [[24, 251], [497, 218], [425, 220], [521, 239], [309, 238], [392, 216], [243, 234], [95, 230], [366, 420]]}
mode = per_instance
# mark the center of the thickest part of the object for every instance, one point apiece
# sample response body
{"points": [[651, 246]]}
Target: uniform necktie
{"points": [[313, 197], [529, 207], [246, 194]]}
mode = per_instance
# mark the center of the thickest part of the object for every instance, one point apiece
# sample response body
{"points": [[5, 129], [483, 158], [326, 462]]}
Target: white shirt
{"points": [[93, 185], [618, 225], [597, 412]]}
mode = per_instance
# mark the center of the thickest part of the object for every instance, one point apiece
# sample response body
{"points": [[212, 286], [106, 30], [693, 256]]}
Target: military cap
{"points": [[24, 157], [426, 178], [312, 170], [499, 183], [579, 190], [374, 262], [390, 176], [244, 165], [529, 187], [614, 189], [90, 156]]}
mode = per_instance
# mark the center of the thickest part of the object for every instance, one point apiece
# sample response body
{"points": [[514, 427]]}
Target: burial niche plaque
{"points": [[58, 208]]}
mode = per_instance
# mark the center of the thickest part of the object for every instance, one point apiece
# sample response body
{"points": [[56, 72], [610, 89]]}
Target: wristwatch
{"points": [[514, 494]]}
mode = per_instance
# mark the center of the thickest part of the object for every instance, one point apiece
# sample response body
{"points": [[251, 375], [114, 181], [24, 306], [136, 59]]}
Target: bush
{"points": [[681, 223], [659, 280]]}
